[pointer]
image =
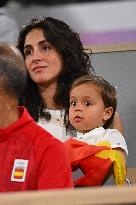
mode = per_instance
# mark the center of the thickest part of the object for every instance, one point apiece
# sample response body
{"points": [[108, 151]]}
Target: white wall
{"points": [[84, 17]]}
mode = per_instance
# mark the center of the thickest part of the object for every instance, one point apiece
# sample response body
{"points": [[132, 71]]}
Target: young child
{"points": [[30, 158], [93, 102]]}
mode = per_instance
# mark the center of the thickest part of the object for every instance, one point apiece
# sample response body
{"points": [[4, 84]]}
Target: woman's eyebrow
{"points": [[27, 46], [43, 41], [39, 43]]}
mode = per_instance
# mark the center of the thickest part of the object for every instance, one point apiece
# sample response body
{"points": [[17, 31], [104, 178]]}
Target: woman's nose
{"points": [[36, 60], [36, 56]]}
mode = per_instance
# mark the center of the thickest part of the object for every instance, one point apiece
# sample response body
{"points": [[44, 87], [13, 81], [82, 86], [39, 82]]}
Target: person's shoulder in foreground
{"points": [[35, 160], [50, 156]]}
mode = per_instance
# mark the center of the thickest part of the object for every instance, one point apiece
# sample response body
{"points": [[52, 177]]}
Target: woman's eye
{"points": [[27, 52], [46, 48]]}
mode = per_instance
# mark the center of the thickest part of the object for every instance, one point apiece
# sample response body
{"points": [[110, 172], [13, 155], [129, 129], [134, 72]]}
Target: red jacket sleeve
{"points": [[54, 170]]}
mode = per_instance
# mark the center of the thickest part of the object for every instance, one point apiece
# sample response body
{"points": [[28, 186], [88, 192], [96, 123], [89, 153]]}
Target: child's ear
{"points": [[108, 113]]}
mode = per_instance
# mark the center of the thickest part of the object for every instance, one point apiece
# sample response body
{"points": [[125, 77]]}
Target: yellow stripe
{"points": [[118, 163], [18, 174]]}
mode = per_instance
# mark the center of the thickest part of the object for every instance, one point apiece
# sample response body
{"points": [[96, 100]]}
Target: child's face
{"points": [[87, 110]]}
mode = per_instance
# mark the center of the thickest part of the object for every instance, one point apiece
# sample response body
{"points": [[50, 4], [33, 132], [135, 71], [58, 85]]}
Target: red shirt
{"points": [[31, 159]]}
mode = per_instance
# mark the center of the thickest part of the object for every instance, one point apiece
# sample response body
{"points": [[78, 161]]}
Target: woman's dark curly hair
{"points": [[76, 61]]}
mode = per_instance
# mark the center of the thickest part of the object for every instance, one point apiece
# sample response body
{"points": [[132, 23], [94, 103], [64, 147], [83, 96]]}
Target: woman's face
{"points": [[43, 61]]}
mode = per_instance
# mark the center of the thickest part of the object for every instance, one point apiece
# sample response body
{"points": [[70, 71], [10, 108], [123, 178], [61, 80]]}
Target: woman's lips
{"points": [[38, 68]]}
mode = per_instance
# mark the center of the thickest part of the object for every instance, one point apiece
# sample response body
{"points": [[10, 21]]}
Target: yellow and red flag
{"points": [[95, 162], [18, 173]]}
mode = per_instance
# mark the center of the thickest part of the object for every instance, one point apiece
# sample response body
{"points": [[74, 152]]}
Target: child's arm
{"points": [[117, 141]]}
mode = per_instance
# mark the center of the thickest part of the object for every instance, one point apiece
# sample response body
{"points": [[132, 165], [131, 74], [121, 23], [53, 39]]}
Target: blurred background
{"points": [[55, 2], [109, 22]]}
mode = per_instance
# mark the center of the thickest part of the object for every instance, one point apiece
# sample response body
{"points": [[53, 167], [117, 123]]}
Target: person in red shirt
{"points": [[30, 157]]}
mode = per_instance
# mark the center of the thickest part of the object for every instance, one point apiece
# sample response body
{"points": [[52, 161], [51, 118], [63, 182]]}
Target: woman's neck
{"points": [[48, 93]]}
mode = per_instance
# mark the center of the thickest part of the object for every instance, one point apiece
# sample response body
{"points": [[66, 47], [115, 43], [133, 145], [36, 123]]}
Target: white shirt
{"points": [[97, 135], [55, 125]]}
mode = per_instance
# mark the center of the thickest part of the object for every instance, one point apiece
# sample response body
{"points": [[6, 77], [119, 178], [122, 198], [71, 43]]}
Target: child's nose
{"points": [[78, 107]]}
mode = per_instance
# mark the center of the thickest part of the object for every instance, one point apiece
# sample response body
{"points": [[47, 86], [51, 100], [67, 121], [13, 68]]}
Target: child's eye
{"points": [[73, 103], [88, 103]]}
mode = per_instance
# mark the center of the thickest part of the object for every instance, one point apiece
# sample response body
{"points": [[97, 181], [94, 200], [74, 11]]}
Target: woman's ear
{"points": [[108, 113]]}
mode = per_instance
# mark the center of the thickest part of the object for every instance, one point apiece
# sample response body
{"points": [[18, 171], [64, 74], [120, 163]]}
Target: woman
{"points": [[54, 57]]}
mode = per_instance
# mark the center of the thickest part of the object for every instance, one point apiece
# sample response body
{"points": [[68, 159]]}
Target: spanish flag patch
{"points": [[19, 170]]}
